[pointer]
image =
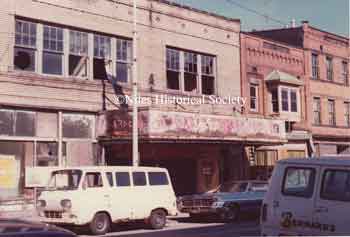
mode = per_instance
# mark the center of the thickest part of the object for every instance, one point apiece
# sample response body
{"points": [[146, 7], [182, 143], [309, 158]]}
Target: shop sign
{"points": [[8, 172], [179, 125]]}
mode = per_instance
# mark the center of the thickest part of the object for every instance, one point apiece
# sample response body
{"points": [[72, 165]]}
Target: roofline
{"points": [[272, 40], [187, 7], [331, 33]]}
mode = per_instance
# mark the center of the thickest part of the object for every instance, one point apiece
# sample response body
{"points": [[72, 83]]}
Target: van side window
{"points": [[158, 178], [299, 182], [93, 180], [122, 179], [336, 185], [109, 176], [139, 178]]}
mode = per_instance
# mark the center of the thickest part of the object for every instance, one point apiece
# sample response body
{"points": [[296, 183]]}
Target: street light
{"points": [[135, 142]]}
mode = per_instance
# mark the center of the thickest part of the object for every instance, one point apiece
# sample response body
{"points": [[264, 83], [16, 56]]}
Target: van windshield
{"points": [[65, 180]]}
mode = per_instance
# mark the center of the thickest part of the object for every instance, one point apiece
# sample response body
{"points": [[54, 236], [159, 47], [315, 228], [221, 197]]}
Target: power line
{"points": [[256, 12]]}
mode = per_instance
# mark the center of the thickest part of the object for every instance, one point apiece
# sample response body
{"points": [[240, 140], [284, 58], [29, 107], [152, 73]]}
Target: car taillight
{"points": [[264, 213]]}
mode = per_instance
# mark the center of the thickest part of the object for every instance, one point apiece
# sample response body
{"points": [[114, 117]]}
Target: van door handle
{"points": [[321, 209]]}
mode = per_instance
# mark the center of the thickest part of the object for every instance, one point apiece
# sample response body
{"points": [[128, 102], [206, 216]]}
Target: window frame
{"points": [[94, 172], [49, 51], [319, 111], [127, 61], [329, 68], [192, 67], [315, 73], [331, 112], [81, 37], [26, 47], [313, 175], [254, 98], [345, 72], [116, 179], [157, 172], [133, 178], [347, 113]]}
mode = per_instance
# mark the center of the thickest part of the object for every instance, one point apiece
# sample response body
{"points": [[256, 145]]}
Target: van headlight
{"points": [[66, 204], [41, 203]]}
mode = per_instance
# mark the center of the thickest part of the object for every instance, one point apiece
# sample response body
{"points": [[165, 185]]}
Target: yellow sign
{"points": [[8, 170]]}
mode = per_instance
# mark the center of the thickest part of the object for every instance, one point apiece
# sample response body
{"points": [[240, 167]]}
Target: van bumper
{"points": [[65, 219]]}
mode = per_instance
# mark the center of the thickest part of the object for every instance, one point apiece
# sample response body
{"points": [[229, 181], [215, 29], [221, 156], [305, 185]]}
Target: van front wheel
{"points": [[157, 219], [100, 224]]}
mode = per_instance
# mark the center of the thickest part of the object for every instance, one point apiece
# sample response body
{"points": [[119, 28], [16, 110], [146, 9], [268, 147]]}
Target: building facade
{"points": [[326, 58], [273, 78], [57, 109]]}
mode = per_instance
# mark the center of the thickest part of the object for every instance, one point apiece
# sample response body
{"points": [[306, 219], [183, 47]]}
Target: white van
{"points": [[308, 197], [98, 196]]}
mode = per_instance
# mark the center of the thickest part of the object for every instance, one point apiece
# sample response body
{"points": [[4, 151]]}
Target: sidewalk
{"points": [[18, 211]]}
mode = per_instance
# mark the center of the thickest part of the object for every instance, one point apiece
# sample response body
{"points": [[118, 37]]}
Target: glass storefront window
{"points": [[77, 126]]}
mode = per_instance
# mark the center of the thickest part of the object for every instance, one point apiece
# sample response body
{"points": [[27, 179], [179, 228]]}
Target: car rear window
{"points": [[299, 182], [336, 185], [122, 179], [157, 178], [139, 178]]}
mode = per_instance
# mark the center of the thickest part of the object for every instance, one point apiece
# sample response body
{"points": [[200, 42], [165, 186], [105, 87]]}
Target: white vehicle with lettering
{"points": [[100, 196], [308, 197]]}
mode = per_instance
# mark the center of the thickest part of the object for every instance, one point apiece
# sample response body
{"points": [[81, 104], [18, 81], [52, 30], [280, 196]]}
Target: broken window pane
{"points": [[77, 126], [52, 63], [47, 154], [190, 82], [78, 58], [173, 80], [6, 122], [24, 59], [207, 85], [25, 124]]}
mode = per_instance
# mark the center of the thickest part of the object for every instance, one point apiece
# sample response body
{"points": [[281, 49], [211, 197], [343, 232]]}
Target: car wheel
{"points": [[157, 220], [231, 214], [100, 224]]}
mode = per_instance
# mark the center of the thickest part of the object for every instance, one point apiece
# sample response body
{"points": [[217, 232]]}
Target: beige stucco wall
{"points": [[160, 25]]}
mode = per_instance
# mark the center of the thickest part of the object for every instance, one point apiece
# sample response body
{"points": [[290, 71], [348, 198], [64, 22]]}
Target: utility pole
{"points": [[135, 141]]}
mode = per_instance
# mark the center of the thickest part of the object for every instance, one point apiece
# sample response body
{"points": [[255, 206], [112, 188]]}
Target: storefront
{"points": [[200, 150], [41, 138]]}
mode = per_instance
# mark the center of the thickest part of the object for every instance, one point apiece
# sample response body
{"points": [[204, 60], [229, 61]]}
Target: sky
{"points": [[328, 15]]}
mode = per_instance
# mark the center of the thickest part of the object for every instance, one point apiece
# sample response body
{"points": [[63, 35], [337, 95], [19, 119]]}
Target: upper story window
{"points": [[53, 50], [285, 100], [208, 77], [315, 68], [124, 60], [345, 72], [293, 101], [275, 103], [190, 72], [102, 56], [329, 67], [331, 112], [347, 113], [25, 45], [78, 53], [254, 97], [190, 77], [173, 68], [317, 110]]}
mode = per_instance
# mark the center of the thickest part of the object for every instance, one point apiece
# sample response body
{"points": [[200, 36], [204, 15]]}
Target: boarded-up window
{"points": [[77, 126], [17, 123]]}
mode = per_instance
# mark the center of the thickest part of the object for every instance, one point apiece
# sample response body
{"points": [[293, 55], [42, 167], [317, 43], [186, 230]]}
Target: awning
{"points": [[283, 77]]}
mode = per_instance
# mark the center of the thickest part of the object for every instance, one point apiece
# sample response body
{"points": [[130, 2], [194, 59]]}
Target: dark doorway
{"points": [[183, 174]]}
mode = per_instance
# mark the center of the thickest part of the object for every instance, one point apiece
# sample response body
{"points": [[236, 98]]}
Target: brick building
{"points": [[326, 58], [51, 91], [273, 77]]}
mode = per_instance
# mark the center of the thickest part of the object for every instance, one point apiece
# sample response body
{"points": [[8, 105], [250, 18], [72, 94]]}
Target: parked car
{"points": [[20, 228], [98, 196], [227, 201], [308, 197]]}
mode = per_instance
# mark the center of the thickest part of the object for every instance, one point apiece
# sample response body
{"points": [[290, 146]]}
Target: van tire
{"points": [[100, 224], [157, 220], [231, 214]]}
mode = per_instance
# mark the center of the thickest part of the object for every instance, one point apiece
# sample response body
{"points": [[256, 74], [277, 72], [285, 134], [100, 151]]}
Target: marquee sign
{"points": [[179, 125]]}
